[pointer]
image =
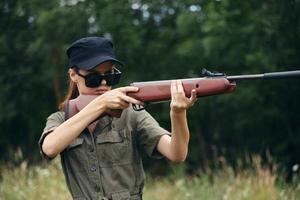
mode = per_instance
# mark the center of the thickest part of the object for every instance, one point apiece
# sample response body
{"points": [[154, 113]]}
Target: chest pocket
{"points": [[76, 155], [114, 148]]}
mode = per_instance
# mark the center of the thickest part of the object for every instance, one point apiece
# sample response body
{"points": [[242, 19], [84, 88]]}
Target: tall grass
{"points": [[47, 182], [32, 183], [255, 183]]}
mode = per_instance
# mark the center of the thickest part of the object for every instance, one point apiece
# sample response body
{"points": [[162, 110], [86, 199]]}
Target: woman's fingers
{"points": [[179, 86], [124, 100], [173, 88], [128, 89], [193, 97], [179, 99], [129, 99]]}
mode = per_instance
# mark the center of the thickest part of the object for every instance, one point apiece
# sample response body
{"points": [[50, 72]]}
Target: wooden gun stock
{"points": [[77, 104], [155, 91]]}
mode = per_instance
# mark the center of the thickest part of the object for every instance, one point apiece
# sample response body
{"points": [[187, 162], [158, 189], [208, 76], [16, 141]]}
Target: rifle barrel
{"points": [[272, 75]]}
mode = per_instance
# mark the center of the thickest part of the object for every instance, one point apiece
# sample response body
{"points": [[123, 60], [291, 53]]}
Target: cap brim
{"points": [[93, 62]]}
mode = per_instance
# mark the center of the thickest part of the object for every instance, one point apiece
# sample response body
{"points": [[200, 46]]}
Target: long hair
{"points": [[72, 94]]}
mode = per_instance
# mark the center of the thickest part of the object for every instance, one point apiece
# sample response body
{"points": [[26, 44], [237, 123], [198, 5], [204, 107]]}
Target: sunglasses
{"points": [[94, 78]]}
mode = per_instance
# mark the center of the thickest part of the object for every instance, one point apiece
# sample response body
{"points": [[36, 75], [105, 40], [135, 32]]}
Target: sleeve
{"points": [[53, 121], [149, 133]]}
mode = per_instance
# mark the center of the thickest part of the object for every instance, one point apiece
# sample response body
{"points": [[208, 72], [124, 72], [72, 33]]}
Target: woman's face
{"points": [[103, 68]]}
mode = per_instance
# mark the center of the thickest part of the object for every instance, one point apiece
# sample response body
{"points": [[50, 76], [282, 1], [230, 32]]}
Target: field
{"points": [[47, 182]]}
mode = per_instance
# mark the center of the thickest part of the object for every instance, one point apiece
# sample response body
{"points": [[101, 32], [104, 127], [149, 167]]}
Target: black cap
{"points": [[86, 53]]}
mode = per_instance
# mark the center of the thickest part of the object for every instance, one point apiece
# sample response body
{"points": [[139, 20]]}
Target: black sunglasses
{"points": [[94, 79]]}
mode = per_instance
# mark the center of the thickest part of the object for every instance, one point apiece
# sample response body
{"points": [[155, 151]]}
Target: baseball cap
{"points": [[86, 53]]}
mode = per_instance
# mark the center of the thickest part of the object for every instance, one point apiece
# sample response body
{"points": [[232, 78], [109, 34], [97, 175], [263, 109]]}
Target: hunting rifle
{"points": [[212, 83]]}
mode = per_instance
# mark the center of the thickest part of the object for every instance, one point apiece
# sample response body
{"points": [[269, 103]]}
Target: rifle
{"points": [[213, 83]]}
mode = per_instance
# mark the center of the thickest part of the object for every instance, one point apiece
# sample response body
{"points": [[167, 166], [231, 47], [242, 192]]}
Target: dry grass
{"points": [[33, 183], [47, 182]]}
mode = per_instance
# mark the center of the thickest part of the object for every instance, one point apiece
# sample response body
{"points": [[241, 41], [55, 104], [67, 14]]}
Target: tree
{"points": [[168, 40]]}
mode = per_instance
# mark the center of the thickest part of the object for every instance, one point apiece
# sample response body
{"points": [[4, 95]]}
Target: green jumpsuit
{"points": [[107, 164]]}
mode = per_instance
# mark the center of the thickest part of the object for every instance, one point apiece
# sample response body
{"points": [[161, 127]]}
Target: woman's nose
{"points": [[103, 82]]}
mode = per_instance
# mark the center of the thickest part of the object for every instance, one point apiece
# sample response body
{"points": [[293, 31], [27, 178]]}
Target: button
{"points": [[93, 168]]}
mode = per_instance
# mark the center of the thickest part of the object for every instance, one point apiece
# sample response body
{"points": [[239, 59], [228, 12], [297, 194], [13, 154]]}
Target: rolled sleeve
{"points": [[53, 121], [149, 133]]}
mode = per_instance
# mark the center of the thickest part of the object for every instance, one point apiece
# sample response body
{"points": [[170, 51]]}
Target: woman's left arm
{"points": [[175, 147]]}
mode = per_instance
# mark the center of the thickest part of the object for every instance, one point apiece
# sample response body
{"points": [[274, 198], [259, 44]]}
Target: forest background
{"points": [[161, 40]]}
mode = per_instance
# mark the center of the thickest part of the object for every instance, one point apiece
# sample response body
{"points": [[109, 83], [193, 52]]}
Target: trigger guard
{"points": [[138, 107]]}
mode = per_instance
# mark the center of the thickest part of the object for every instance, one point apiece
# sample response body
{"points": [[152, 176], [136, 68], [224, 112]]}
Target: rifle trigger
{"points": [[138, 107]]}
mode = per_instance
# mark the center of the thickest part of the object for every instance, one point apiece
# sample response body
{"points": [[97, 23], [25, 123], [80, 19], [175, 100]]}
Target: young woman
{"points": [[106, 163]]}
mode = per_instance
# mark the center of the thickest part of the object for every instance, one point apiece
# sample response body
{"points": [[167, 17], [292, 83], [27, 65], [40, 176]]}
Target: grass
{"points": [[47, 182], [38, 182]]}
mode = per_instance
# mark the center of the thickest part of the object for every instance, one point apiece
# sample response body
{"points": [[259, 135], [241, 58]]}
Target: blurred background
{"points": [[161, 40]]}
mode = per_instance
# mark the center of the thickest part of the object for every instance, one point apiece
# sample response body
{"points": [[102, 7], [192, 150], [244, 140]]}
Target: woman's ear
{"points": [[72, 75]]}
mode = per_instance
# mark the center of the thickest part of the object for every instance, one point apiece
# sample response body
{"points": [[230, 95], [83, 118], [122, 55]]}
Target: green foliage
{"points": [[160, 40]]}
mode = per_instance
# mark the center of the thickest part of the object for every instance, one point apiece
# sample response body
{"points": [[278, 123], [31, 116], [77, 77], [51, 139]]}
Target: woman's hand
{"points": [[179, 102], [117, 98], [175, 147]]}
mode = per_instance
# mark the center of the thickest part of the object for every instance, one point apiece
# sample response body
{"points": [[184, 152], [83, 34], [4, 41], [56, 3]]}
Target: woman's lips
{"points": [[99, 92]]}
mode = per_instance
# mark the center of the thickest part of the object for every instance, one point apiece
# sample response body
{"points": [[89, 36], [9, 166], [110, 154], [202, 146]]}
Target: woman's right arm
{"points": [[56, 141]]}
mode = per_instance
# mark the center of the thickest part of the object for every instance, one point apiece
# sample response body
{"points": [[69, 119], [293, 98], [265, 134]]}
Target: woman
{"points": [[106, 163]]}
